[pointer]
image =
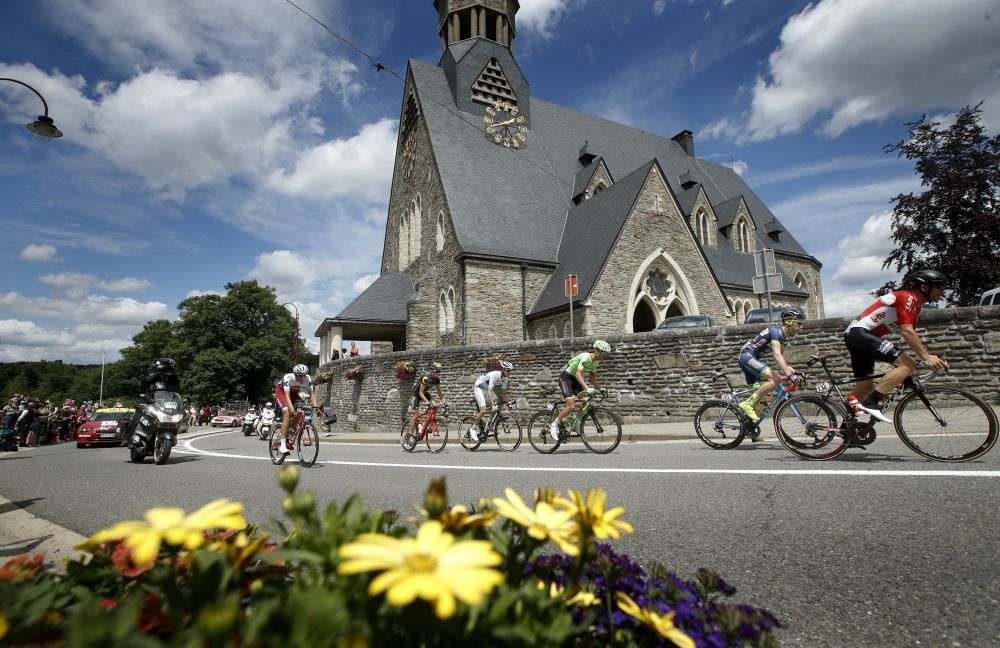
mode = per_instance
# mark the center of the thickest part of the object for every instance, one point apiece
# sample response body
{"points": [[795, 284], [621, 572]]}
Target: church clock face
{"points": [[504, 125]]}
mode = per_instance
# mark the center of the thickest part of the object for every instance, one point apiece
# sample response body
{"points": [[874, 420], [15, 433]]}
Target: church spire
{"points": [[490, 19]]}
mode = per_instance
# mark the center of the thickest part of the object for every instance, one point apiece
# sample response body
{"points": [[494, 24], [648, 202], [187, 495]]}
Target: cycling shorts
{"points": [[279, 395], [865, 348], [569, 385], [753, 368], [480, 394], [416, 403]]}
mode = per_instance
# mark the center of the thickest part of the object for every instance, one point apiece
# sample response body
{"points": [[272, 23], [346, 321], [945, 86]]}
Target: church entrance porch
{"points": [[659, 290]]}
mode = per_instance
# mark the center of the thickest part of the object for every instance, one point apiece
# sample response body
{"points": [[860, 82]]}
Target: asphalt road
{"points": [[876, 548]]}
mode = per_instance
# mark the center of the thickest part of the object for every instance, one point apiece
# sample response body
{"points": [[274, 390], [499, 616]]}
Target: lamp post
{"points": [[43, 126], [295, 344]]}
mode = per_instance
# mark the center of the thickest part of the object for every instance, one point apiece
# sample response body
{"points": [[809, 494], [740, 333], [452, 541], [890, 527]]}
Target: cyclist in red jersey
{"points": [[865, 340], [292, 388]]}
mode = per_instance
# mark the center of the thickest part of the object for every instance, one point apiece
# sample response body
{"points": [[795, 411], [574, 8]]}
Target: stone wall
{"points": [[651, 375]]}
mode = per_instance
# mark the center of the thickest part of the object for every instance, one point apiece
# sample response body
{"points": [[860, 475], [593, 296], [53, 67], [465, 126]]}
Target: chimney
{"points": [[686, 139]]}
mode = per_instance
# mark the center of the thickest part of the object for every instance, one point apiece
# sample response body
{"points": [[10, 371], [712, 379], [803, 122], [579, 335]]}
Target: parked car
{"points": [[990, 297], [227, 420], [102, 428], [686, 321], [760, 315]]}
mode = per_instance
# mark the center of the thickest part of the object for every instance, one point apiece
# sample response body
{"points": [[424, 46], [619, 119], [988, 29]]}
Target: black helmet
{"points": [[793, 313], [927, 276], [164, 364]]}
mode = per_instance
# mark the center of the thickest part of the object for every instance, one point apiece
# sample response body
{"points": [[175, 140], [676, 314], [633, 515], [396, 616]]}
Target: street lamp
{"points": [[44, 125], [296, 343]]}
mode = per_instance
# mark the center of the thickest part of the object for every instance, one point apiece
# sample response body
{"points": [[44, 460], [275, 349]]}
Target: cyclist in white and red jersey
{"points": [[864, 340], [293, 388]]}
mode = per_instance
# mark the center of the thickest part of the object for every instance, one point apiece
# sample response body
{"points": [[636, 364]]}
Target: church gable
{"points": [[492, 86], [592, 179]]}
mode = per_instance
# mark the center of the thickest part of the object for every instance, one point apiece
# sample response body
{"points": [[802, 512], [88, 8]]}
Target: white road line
{"points": [[637, 471]]}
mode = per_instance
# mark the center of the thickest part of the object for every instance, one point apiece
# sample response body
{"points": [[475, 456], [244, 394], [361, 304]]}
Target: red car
{"points": [[102, 427]]}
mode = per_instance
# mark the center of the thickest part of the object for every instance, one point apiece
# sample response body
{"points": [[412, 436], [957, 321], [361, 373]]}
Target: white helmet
{"points": [[268, 405], [300, 369], [602, 346], [506, 366]]}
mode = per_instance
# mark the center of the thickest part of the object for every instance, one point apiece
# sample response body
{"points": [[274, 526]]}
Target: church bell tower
{"points": [[493, 20]]}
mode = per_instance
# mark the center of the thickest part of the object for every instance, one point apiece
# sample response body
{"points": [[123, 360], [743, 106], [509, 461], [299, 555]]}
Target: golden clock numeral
{"points": [[513, 111], [520, 119], [497, 105], [487, 120], [523, 129], [497, 138], [506, 142], [491, 111], [515, 143], [491, 129]]}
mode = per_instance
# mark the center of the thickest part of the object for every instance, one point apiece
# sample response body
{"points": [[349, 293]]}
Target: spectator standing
{"points": [[354, 350]]}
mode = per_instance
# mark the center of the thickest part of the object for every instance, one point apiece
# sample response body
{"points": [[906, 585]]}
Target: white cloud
{"points": [[93, 309], [361, 283], [38, 253], [359, 167], [199, 293], [853, 61], [290, 273], [542, 15], [22, 340], [125, 284], [659, 6], [860, 254], [74, 284], [740, 166], [833, 165], [833, 210]]}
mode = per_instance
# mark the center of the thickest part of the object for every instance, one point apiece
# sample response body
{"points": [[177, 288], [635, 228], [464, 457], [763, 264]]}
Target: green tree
{"points": [[954, 224]]}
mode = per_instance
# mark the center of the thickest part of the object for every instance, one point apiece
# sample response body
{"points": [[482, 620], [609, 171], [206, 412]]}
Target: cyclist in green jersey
{"points": [[571, 380]]}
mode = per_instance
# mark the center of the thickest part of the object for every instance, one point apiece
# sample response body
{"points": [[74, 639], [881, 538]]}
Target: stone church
{"points": [[498, 195]]}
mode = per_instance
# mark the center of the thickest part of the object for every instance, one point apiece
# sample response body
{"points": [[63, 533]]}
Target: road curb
{"points": [[22, 533]]}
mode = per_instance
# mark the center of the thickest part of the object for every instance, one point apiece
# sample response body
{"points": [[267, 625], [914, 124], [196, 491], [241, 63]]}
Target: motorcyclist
{"points": [[161, 376], [266, 416]]}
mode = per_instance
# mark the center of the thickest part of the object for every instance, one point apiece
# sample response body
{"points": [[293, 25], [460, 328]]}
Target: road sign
{"points": [[763, 262], [571, 287], [767, 283]]}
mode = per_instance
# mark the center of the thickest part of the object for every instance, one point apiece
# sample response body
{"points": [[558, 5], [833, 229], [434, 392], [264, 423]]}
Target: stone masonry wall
{"points": [[493, 293], [651, 375], [810, 271]]}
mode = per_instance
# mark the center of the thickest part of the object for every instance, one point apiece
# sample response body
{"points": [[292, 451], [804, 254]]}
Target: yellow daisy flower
{"points": [[457, 518], [663, 624], [582, 598], [591, 515], [170, 525], [545, 522], [432, 566], [4, 625]]}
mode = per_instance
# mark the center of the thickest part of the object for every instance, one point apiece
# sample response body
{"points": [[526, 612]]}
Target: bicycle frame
{"points": [[428, 420], [490, 426], [834, 383]]}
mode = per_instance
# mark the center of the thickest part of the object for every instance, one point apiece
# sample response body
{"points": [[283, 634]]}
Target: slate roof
{"points": [[591, 231], [383, 301], [515, 203], [725, 212], [687, 198], [584, 176]]}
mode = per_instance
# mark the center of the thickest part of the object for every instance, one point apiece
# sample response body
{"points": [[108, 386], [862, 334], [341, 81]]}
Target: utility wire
{"points": [[380, 67]]}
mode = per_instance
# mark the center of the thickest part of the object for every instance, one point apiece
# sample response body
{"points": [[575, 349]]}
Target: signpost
{"points": [[767, 279], [571, 288]]}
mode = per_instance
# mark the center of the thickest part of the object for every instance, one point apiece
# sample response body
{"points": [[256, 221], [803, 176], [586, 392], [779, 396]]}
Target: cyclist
{"points": [[292, 389], [571, 380], [770, 340], [497, 380], [420, 395], [865, 341]]}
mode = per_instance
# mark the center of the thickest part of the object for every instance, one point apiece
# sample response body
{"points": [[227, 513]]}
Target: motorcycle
{"points": [[265, 425], [158, 421], [249, 423]]}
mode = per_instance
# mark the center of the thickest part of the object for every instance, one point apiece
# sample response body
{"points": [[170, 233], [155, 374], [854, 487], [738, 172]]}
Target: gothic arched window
{"points": [[404, 240], [416, 207], [439, 235], [450, 309]]}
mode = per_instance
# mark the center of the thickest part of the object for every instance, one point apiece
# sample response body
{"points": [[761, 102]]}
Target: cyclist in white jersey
{"points": [[293, 387], [483, 392]]}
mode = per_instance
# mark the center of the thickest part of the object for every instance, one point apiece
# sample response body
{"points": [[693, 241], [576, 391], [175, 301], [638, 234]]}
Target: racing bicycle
{"points": [[939, 422], [598, 427], [431, 428], [302, 439], [502, 427]]}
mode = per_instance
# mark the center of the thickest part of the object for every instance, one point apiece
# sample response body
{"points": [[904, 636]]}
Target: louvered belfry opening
{"points": [[492, 85]]}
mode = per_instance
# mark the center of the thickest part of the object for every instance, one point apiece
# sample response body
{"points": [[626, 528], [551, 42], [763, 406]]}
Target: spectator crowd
{"points": [[29, 421]]}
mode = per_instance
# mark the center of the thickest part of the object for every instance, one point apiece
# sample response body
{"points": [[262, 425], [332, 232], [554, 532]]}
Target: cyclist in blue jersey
{"points": [[771, 340], [571, 381]]}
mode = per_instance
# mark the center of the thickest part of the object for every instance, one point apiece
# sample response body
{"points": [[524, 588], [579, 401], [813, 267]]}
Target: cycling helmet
{"points": [[268, 405], [300, 369], [927, 276], [506, 366], [165, 364], [792, 313], [437, 366], [602, 346]]}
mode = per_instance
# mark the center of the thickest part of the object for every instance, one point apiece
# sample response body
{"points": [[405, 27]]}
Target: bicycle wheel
{"points": [[538, 432], [436, 437], [273, 445], [600, 430], [407, 439], [945, 424], [810, 427], [464, 436], [720, 425], [508, 433], [307, 445]]}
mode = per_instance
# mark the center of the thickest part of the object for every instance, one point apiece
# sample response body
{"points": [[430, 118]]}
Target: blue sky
{"points": [[207, 143]]}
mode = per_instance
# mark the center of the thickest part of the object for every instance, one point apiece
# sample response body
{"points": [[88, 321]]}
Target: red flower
{"points": [[22, 567], [121, 558]]}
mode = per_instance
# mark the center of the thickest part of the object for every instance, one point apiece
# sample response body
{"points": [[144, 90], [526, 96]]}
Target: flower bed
{"points": [[504, 572], [405, 369], [357, 371]]}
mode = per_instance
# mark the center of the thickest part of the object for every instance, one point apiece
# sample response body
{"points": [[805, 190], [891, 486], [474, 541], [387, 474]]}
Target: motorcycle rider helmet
{"points": [[300, 370], [602, 347], [268, 405], [506, 366]]}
